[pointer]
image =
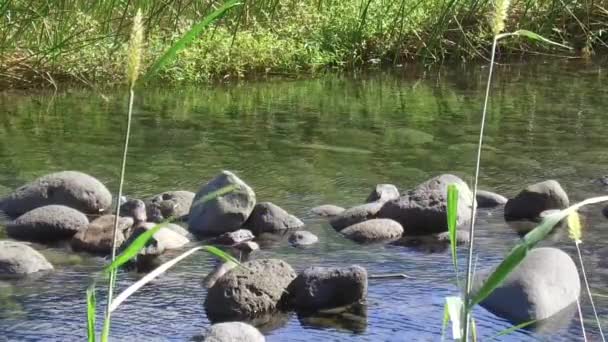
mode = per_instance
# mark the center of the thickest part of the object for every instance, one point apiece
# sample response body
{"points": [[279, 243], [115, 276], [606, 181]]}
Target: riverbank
{"points": [[45, 46]]}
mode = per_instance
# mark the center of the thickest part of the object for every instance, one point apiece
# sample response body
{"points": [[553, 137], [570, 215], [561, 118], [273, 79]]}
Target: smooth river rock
{"points": [[302, 238], [545, 283], [97, 237], [327, 210], [383, 193], [255, 289], [267, 217], [233, 238], [318, 288], [233, 332], [170, 204], [134, 208], [373, 230], [423, 210], [48, 223], [534, 199], [224, 213], [488, 199], [169, 238], [70, 188], [17, 258], [355, 215]]}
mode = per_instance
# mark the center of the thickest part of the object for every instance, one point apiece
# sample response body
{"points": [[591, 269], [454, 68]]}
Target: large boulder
{"points": [[535, 199], [70, 188], [254, 289], [267, 217], [98, 236], [355, 215], [17, 258], [48, 223], [233, 332], [545, 283], [170, 204], [488, 199], [215, 215], [302, 238], [373, 230], [383, 193], [327, 210], [423, 210], [318, 288]]}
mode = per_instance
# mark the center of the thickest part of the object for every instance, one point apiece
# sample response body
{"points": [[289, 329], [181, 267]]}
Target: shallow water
{"points": [[304, 143]]}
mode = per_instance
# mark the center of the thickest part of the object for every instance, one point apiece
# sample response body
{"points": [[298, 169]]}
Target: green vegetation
{"points": [[44, 42]]}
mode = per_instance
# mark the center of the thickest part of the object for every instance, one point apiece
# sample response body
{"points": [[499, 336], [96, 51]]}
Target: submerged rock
{"points": [[69, 188], [170, 204], [327, 210], [302, 238], [488, 199], [373, 231], [319, 288], [267, 217], [224, 213], [423, 210], [233, 332], [97, 237], [534, 199], [545, 283], [233, 238], [17, 258], [383, 193], [48, 223], [254, 289], [355, 215]]}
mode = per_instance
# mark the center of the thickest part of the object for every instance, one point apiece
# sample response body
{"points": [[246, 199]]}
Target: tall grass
{"points": [[40, 41]]}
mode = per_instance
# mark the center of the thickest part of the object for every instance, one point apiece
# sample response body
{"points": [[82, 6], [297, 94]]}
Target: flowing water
{"points": [[302, 143]]}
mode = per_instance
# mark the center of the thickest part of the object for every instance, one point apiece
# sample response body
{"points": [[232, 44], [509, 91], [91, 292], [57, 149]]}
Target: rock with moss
{"points": [[48, 223], [69, 188], [221, 206], [17, 258]]}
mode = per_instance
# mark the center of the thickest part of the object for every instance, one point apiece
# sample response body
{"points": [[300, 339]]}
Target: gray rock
{"points": [[373, 230], [148, 258], [488, 199], [97, 237], [267, 217], [254, 289], [302, 238], [605, 211], [17, 258], [383, 193], [423, 210], [319, 288], [534, 199], [48, 223], [135, 209], [70, 188], [545, 283], [170, 204], [327, 210], [224, 213], [235, 237], [217, 273], [233, 332], [355, 215], [166, 236]]}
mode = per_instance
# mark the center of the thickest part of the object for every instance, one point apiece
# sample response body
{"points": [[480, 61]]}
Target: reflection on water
{"points": [[305, 143]]}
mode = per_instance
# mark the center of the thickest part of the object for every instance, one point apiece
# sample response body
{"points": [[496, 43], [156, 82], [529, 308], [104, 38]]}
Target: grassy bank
{"points": [[51, 42]]}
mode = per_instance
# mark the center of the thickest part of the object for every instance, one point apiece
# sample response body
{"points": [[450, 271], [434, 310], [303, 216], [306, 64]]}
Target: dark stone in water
{"points": [[267, 217], [535, 199]]}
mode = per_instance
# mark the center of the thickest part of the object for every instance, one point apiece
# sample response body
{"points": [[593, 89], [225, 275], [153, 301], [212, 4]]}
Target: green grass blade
{"points": [[452, 217], [538, 37], [131, 251], [91, 305], [473, 329], [454, 307], [163, 268], [500, 274], [446, 319], [513, 329], [190, 36]]}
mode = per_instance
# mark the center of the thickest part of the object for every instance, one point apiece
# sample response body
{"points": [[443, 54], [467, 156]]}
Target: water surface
{"points": [[304, 143]]}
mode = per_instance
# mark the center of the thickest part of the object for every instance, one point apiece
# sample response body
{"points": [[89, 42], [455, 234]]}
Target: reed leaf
{"points": [[91, 313], [131, 251], [163, 268], [452, 217], [533, 36], [454, 306], [190, 36]]}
